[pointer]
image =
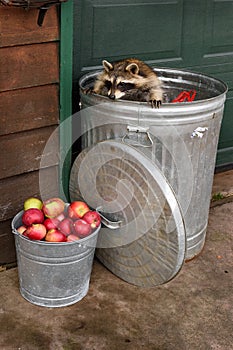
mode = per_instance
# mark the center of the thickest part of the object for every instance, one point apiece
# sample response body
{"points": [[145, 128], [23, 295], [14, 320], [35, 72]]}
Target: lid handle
{"points": [[108, 223]]}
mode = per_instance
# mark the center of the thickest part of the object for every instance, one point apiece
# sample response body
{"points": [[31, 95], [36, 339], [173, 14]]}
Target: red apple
{"points": [[82, 228], [53, 207], [51, 223], [55, 235], [77, 209], [21, 229], [72, 238], [93, 218], [32, 216], [66, 226], [36, 232]]}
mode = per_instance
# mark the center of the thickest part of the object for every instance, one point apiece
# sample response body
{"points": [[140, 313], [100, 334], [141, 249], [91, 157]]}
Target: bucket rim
{"points": [[80, 241]]}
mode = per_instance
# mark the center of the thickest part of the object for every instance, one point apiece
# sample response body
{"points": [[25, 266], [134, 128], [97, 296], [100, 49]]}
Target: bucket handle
{"points": [[15, 232], [137, 129]]}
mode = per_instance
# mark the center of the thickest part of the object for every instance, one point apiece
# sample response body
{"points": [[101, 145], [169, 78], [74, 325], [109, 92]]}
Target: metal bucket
{"points": [[180, 138], [53, 274]]}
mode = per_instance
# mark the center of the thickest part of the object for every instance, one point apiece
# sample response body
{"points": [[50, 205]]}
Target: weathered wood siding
{"points": [[29, 112]]}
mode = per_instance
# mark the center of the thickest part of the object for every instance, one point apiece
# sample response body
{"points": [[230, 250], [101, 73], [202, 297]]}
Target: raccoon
{"points": [[129, 79]]}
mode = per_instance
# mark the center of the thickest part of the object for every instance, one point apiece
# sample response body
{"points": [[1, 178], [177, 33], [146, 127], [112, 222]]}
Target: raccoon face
{"points": [[119, 80], [117, 87]]}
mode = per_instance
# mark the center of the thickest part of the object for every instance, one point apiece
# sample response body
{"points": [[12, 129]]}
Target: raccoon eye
{"points": [[121, 84], [125, 86], [108, 84]]}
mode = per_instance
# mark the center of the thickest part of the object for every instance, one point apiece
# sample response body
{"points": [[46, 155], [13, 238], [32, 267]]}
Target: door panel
{"points": [[218, 34], [217, 48], [120, 28]]}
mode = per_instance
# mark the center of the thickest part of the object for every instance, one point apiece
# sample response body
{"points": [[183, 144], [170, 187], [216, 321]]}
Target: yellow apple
{"points": [[32, 203]]}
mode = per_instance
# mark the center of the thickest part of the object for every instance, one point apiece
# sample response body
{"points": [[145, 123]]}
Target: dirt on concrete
{"points": [[194, 311]]}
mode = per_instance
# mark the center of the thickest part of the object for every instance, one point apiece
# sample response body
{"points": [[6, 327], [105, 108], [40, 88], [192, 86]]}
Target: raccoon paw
{"points": [[155, 103]]}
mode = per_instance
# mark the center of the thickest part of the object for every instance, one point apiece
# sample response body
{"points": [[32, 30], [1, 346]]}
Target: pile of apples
{"points": [[52, 221]]}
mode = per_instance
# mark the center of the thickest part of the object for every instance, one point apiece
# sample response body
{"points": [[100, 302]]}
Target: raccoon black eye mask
{"points": [[125, 86], [129, 79], [122, 86]]}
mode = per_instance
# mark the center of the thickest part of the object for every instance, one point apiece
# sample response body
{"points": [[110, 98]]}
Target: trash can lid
{"points": [[148, 246]]}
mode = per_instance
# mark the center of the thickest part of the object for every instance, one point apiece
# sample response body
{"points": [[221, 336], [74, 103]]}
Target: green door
{"points": [[195, 35]]}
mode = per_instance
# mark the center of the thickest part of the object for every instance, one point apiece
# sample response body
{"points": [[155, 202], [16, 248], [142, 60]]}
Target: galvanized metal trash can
{"points": [[179, 140], [53, 274]]}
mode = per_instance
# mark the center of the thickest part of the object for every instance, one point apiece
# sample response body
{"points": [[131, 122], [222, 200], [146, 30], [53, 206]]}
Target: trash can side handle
{"points": [[199, 132], [137, 129]]}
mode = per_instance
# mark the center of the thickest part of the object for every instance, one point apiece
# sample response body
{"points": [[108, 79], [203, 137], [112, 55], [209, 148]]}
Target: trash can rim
{"points": [[92, 74]]}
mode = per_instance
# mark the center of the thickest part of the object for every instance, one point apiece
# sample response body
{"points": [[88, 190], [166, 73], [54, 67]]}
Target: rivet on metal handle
{"points": [[199, 132], [137, 129]]}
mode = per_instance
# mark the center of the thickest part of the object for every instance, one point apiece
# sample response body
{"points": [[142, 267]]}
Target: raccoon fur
{"points": [[129, 79]]}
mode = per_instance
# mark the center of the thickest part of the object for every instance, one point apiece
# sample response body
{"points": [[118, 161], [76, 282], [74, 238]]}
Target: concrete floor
{"points": [[193, 311]]}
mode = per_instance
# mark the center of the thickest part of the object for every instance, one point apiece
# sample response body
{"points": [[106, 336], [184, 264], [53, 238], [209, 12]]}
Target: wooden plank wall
{"points": [[29, 112]]}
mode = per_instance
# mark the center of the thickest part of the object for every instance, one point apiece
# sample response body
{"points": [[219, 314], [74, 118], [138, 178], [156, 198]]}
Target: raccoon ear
{"points": [[107, 65], [132, 68]]}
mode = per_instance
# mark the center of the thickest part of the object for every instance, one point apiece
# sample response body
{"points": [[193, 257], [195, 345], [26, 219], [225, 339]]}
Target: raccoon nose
{"points": [[112, 97]]}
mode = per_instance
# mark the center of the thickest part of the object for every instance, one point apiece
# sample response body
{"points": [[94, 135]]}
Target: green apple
{"points": [[32, 203]]}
